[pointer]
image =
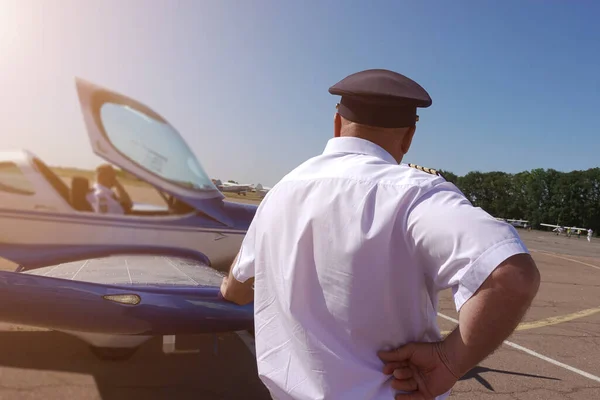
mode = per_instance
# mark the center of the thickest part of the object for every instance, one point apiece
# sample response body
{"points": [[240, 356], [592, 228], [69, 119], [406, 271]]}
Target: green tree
{"points": [[539, 196]]}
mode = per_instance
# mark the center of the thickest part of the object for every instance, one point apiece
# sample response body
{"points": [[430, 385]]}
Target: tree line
{"points": [[538, 196]]}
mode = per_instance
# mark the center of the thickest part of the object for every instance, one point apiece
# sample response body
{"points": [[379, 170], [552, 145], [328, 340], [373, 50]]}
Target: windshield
{"points": [[153, 145]]}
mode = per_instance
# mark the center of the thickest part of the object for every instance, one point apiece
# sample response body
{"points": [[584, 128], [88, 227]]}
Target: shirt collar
{"points": [[356, 145]]}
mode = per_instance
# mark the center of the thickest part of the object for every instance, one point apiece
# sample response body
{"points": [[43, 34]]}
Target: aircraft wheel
{"points": [[113, 353]]}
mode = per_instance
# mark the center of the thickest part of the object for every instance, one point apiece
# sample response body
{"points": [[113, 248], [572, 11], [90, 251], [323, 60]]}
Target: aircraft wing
{"points": [[122, 294], [566, 227]]}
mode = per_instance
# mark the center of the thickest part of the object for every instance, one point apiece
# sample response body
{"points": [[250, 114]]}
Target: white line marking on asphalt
{"points": [[538, 355], [564, 258]]}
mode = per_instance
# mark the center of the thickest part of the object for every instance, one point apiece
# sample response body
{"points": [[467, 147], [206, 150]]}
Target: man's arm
{"points": [[426, 370], [492, 314], [238, 286], [493, 278], [235, 291]]}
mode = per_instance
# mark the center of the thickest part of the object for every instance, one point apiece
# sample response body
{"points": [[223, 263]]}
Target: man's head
{"points": [[379, 106], [106, 175]]}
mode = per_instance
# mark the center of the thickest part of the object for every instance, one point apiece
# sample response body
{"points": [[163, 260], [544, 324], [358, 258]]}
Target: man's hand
{"points": [[419, 368], [237, 292]]}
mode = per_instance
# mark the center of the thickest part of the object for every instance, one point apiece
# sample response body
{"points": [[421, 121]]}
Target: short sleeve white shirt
{"points": [[349, 252], [103, 200]]}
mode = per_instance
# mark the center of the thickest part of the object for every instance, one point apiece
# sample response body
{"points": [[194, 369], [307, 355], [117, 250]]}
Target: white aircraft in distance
{"points": [[261, 190], [230, 187], [574, 229], [517, 223]]}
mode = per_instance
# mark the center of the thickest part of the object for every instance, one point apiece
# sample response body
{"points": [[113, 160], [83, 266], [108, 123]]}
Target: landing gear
{"points": [[114, 353]]}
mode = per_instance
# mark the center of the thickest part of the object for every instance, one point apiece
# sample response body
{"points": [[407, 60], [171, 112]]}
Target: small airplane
{"points": [[517, 223], [261, 190], [115, 281], [563, 227], [231, 187]]}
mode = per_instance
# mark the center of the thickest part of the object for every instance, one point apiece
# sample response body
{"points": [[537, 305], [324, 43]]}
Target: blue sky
{"points": [[515, 84]]}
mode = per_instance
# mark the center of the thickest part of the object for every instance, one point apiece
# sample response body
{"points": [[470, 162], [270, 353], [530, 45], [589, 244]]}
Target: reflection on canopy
{"points": [[154, 145]]}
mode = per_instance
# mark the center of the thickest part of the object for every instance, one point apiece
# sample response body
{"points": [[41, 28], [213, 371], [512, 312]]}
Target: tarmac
{"points": [[554, 354]]}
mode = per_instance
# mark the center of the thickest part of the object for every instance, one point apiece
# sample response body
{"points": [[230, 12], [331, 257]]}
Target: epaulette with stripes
{"points": [[424, 169]]}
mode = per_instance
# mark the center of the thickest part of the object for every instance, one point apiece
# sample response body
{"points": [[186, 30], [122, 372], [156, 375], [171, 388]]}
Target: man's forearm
{"points": [[237, 292], [492, 314]]}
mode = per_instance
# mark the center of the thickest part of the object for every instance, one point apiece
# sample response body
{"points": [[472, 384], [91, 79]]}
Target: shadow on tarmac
{"points": [[149, 374], [476, 372]]}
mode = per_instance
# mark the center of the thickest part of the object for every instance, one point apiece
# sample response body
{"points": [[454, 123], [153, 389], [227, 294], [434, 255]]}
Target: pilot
{"points": [[103, 199], [349, 252]]}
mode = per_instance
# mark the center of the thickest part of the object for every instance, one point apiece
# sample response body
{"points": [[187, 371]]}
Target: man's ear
{"points": [[407, 139], [337, 125]]}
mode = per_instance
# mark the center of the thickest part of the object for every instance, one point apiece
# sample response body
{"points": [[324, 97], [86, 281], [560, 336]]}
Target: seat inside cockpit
{"points": [[80, 188]]}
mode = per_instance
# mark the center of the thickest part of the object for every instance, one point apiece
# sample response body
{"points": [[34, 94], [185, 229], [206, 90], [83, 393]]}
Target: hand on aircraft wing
{"points": [[419, 370]]}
